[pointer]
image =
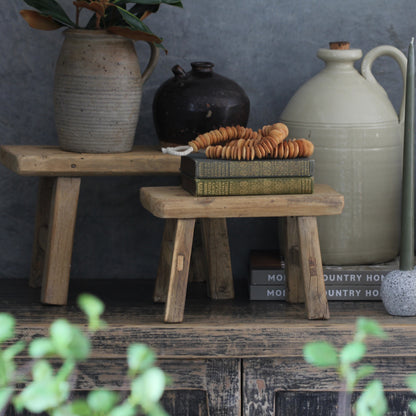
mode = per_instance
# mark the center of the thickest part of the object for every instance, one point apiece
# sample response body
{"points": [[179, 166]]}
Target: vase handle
{"points": [[398, 56], [151, 65]]}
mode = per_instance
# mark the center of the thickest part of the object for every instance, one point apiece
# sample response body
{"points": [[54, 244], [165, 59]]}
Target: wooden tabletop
{"points": [[52, 161], [175, 202]]}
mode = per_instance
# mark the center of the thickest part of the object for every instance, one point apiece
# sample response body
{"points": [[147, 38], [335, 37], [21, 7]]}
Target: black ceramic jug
{"points": [[196, 102]]}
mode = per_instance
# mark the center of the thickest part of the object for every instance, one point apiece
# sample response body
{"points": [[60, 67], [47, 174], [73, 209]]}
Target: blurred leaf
{"points": [[69, 341], [42, 370], [364, 371], [93, 308], [412, 406], [7, 324], [125, 409], [40, 347], [352, 352], [14, 349], [320, 354], [372, 401], [148, 387], [52, 9], [102, 401], [5, 396], [139, 358], [176, 3], [366, 327], [411, 382]]}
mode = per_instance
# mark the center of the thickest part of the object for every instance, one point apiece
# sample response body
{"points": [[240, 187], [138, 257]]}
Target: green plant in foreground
{"points": [[112, 16], [372, 401], [49, 389]]}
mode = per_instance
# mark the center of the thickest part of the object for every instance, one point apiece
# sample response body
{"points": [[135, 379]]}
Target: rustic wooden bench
{"points": [[303, 256], [60, 175]]}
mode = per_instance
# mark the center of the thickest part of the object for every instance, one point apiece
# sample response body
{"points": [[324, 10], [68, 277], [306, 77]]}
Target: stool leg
{"points": [[217, 251], [311, 262], [294, 280], [178, 280], [60, 240], [41, 229], [160, 293]]}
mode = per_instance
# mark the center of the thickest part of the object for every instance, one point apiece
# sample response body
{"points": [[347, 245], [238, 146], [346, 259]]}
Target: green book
{"points": [[199, 166], [247, 186]]}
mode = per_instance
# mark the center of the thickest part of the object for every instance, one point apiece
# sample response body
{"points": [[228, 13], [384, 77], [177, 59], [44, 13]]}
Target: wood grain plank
{"points": [[52, 161], [41, 229], [312, 272], [178, 280], [175, 202], [295, 286], [217, 252], [60, 240]]}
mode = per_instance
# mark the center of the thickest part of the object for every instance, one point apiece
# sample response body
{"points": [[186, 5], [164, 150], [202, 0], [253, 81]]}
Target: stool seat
{"points": [[303, 257]]}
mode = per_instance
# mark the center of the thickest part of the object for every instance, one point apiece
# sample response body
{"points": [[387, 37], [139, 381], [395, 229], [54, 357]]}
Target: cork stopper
{"points": [[343, 45]]}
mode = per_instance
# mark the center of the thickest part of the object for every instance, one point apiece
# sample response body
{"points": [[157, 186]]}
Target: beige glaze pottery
{"points": [[358, 140], [97, 91]]}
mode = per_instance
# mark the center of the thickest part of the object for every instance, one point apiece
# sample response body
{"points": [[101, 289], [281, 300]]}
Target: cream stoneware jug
{"points": [[358, 138]]}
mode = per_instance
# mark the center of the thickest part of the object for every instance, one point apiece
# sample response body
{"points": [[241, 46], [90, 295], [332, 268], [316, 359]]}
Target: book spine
{"points": [[278, 292], [211, 168], [248, 186], [331, 277]]}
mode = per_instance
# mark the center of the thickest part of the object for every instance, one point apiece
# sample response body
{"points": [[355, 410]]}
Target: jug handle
{"points": [[397, 55], [151, 65]]}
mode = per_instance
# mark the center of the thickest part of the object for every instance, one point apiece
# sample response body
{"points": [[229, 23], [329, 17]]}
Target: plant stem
{"points": [[344, 402]]}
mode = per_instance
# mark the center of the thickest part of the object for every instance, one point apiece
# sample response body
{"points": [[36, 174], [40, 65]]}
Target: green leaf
{"points": [[7, 324], [133, 21], [102, 401], [366, 327], [68, 341], [364, 371], [93, 308], [39, 396], [42, 370], [76, 408], [53, 9], [40, 347], [10, 352], [320, 354], [411, 382], [139, 358], [412, 406], [125, 409], [372, 401], [352, 352], [5, 396], [148, 388]]}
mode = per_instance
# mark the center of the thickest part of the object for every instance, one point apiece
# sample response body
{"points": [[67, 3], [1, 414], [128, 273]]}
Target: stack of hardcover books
{"points": [[361, 282], [216, 177]]}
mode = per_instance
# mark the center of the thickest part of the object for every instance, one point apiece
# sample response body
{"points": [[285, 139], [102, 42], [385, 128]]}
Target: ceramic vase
{"points": [[358, 138], [97, 91]]}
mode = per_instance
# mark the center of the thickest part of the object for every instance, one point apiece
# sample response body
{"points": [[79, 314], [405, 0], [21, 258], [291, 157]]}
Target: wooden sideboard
{"points": [[228, 357]]}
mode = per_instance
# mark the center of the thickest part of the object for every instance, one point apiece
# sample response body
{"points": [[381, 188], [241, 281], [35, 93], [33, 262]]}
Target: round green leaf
{"points": [[7, 324], [352, 352], [372, 401], [40, 347], [320, 354], [366, 327], [148, 387], [139, 358], [102, 401], [411, 382], [93, 308]]}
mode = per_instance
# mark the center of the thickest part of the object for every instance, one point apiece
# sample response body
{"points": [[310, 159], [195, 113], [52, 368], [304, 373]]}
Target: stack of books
{"points": [[217, 177], [361, 282]]}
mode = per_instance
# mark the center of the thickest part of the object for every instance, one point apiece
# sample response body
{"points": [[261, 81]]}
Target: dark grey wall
{"points": [[267, 46]]}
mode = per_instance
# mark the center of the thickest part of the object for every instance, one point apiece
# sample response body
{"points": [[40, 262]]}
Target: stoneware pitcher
{"points": [[97, 91], [358, 138]]}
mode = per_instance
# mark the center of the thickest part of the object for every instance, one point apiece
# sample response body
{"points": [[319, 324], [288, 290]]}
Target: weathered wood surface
{"points": [[52, 161], [175, 202], [312, 271], [62, 217], [234, 328], [276, 384]]}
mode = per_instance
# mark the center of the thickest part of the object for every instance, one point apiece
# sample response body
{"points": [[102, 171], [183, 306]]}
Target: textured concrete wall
{"points": [[267, 46]]}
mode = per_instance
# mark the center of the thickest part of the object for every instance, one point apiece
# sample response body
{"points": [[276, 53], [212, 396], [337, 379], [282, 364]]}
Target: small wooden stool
{"points": [[303, 255]]}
